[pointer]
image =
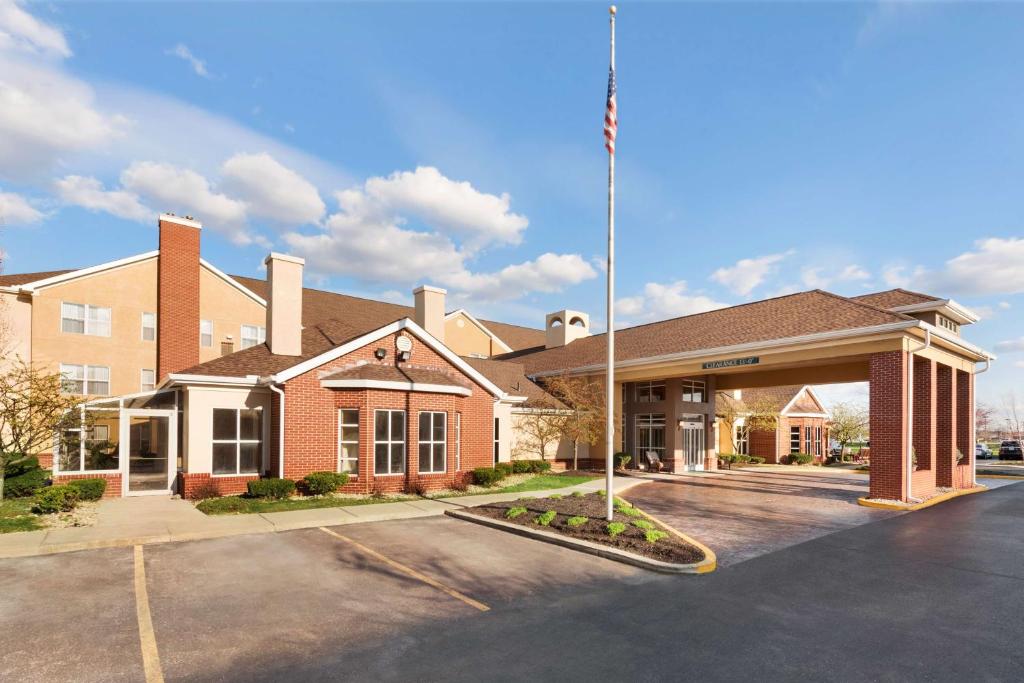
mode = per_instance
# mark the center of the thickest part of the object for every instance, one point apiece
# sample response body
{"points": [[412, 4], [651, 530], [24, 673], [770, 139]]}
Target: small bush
{"points": [[520, 466], [29, 464], [630, 512], [757, 459], [417, 488], [800, 458], [25, 484], [531, 466], [601, 492], [487, 476], [623, 459], [89, 489], [504, 467], [272, 487], [614, 528], [205, 490], [644, 524], [577, 494], [618, 503], [545, 518], [556, 496], [223, 506], [512, 513], [60, 498], [576, 521], [653, 536], [322, 483], [377, 492], [460, 485]]}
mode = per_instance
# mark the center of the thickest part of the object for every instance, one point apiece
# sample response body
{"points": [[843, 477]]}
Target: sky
{"points": [[763, 148]]}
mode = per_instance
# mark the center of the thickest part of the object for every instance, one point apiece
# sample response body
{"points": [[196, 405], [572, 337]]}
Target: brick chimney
{"points": [[430, 309], [284, 305], [177, 321]]}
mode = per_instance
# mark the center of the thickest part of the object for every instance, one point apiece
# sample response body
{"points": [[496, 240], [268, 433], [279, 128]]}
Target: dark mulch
{"points": [[668, 549]]}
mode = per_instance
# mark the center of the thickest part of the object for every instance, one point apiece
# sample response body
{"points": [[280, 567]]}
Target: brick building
{"points": [[801, 423]]}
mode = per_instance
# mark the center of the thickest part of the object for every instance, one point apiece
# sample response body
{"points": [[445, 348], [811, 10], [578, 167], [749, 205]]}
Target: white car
{"points": [[982, 451]]}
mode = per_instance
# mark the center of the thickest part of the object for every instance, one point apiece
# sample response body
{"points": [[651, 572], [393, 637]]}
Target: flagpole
{"points": [[610, 401]]}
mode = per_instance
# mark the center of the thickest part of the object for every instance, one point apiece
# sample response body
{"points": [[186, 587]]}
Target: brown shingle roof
{"points": [[390, 373], [894, 297], [369, 314], [27, 278], [779, 397], [759, 321], [510, 377]]}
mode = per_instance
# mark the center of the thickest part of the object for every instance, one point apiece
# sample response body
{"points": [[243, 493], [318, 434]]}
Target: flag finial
{"points": [[611, 10]]}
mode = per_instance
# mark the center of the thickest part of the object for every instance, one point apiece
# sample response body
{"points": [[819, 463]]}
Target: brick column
{"points": [[945, 425], [177, 321], [964, 428], [924, 412], [888, 408]]}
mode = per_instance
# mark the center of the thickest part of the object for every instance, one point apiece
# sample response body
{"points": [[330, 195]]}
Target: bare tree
{"points": [[743, 417], [1013, 414], [539, 426], [848, 424], [984, 419], [584, 420]]}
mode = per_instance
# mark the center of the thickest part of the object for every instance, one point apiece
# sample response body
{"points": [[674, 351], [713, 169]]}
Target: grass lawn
{"points": [[16, 515], [241, 505], [540, 482]]}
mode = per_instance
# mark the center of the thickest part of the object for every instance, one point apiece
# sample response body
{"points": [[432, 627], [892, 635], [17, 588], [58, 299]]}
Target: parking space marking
{"points": [[410, 572], [147, 637]]}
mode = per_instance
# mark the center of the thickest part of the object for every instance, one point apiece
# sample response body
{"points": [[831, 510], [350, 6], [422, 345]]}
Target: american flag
{"points": [[611, 121]]}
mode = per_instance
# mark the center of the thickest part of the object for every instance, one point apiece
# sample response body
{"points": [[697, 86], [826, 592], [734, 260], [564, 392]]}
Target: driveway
{"points": [[742, 514]]}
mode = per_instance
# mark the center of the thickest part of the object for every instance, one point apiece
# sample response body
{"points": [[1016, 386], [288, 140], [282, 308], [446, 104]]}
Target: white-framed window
{"points": [[252, 335], [694, 390], [741, 440], [84, 319], [650, 435], [807, 440], [497, 439], [458, 441], [433, 442], [149, 327], [650, 392], [817, 440], [389, 441], [237, 440], [794, 439], [948, 324], [206, 333], [348, 441], [99, 453], [147, 380], [87, 380]]}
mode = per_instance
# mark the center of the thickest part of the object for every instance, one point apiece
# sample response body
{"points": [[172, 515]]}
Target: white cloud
{"points": [[820, 277], [1004, 305], [181, 190], [89, 193], [855, 393], [993, 267], [22, 32], [1011, 345], [272, 190], [15, 210], [182, 52], [748, 273], [660, 301], [547, 273], [1018, 363]]}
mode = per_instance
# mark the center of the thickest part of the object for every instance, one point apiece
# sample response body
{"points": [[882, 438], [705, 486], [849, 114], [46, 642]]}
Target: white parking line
{"points": [[147, 638]]}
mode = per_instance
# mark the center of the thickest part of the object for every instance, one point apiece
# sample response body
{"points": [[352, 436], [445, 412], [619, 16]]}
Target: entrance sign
{"points": [[731, 363]]}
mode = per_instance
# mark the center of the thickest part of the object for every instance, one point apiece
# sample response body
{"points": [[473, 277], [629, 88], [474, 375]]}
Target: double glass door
{"points": [[693, 442]]}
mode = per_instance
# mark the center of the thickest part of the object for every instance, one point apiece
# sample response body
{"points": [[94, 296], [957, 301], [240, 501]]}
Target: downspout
{"points": [[910, 410], [974, 456], [280, 429]]}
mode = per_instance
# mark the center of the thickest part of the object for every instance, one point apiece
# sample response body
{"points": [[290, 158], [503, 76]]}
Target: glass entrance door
{"points": [[150, 445], [693, 444]]}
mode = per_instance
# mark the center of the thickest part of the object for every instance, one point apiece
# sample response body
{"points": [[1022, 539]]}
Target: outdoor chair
{"points": [[654, 463]]}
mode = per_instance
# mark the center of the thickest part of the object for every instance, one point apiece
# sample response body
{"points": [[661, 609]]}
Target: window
{"points": [[794, 439], [252, 335], [237, 440], [741, 440], [389, 441], [693, 390], [88, 380], [948, 324], [497, 433], [149, 327], [817, 440], [650, 392], [458, 441], [100, 453], [650, 435], [206, 333], [84, 319], [148, 380], [348, 441], [433, 442], [807, 440]]}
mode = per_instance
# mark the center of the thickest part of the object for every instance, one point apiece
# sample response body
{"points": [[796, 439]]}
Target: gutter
{"points": [[280, 429], [974, 456]]}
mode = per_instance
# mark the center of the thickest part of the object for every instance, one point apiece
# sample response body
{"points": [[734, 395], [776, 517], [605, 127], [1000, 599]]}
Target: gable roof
{"points": [[788, 399], [29, 278], [795, 315], [512, 379], [894, 298]]}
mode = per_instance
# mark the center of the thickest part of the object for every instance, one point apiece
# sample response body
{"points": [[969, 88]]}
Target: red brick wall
{"points": [[765, 443], [965, 418], [113, 489], [945, 425], [888, 400], [177, 299], [189, 482], [311, 422], [924, 439]]}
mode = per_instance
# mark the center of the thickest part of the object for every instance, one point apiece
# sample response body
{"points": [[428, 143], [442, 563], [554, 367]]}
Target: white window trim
{"points": [[431, 442], [649, 388], [693, 385], [458, 441], [261, 336], [142, 332], [359, 437], [390, 443], [85, 321], [86, 382], [201, 333], [791, 449], [238, 441], [142, 380]]}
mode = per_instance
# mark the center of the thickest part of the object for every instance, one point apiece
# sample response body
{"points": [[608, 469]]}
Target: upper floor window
{"points": [[253, 335], [948, 324], [88, 380], [147, 381], [433, 442], [206, 333], [84, 319], [149, 327], [650, 392], [693, 390]]}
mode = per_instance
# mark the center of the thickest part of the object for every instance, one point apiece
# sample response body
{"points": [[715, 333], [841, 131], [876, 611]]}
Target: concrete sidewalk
{"points": [[161, 519]]}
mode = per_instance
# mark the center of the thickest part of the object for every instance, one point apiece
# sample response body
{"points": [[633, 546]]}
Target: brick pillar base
{"points": [[888, 407]]}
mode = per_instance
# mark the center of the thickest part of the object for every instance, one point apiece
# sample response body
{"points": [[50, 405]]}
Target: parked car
{"points": [[1010, 450], [982, 451]]}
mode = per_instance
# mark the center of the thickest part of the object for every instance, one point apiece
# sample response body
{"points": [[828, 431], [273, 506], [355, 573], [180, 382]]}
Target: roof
{"points": [[390, 373], [28, 278], [778, 397], [894, 298], [368, 314], [794, 315], [512, 379]]}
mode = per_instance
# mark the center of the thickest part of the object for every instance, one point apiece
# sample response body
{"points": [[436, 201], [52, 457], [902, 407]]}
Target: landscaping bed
{"points": [[517, 483], [247, 505], [635, 532]]}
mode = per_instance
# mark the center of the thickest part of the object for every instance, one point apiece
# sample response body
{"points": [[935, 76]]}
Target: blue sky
{"points": [[763, 148]]}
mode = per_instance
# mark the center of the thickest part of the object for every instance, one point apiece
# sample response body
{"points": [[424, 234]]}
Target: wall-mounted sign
{"points": [[731, 363]]}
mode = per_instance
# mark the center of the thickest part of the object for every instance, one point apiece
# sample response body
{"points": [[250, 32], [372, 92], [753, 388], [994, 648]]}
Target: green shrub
{"points": [[272, 487], [487, 476], [614, 528], [29, 464], [26, 483], [623, 459], [60, 498], [460, 485], [576, 521], [643, 524], [322, 483], [800, 458], [512, 513], [89, 489], [618, 503], [601, 492], [223, 506], [545, 518], [556, 496], [757, 459], [531, 466], [629, 512], [504, 467], [520, 466], [577, 494], [653, 536]]}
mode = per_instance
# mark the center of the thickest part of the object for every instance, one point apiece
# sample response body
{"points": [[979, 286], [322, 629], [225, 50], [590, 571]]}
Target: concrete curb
{"points": [[1000, 476], [710, 561], [867, 502]]}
